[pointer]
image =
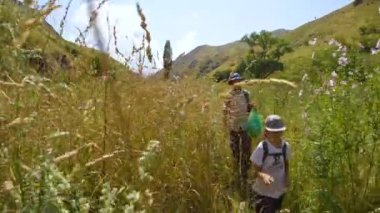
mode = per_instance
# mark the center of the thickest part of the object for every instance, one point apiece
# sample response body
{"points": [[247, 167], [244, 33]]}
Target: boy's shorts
{"points": [[264, 204]]}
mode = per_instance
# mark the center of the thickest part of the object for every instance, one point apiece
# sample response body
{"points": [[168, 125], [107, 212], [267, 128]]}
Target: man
{"points": [[236, 110]]}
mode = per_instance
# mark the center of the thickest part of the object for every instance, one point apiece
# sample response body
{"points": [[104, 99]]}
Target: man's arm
{"points": [[226, 111], [250, 104]]}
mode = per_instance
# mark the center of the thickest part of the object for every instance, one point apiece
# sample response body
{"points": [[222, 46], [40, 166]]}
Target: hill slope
{"points": [[342, 24], [205, 59], [28, 41]]}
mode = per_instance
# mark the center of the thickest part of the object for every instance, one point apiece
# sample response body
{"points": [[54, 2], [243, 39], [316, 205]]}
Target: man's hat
{"points": [[234, 77]]}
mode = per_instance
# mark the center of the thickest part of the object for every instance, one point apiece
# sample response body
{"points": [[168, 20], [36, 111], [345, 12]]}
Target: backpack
{"points": [[283, 153], [266, 151], [237, 109]]}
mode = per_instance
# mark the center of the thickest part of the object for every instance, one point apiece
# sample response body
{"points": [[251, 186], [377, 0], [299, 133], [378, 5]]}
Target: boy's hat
{"points": [[234, 77], [274, 123]]}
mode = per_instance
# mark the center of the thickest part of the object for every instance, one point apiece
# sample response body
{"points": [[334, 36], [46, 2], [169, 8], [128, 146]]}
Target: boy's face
{"points": [[275, 135]]}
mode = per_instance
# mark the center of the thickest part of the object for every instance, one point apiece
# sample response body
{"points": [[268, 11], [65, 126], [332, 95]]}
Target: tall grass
{"points": [[79, 143]]}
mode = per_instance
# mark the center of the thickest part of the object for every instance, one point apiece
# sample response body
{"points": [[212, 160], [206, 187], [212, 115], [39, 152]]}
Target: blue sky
{"points": [[188, 24]]}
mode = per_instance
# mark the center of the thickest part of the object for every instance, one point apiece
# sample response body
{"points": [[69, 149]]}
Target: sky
{"points": [[188, 24]]}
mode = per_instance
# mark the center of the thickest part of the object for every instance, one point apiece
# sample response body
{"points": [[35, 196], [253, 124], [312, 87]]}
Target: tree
{"points": [[264, 56], [357, 2], [168, 62]]}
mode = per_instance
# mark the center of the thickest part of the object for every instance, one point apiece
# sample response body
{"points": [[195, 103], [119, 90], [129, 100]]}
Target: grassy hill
{"points": [[205, 59], [30, 44], [342, 24]]}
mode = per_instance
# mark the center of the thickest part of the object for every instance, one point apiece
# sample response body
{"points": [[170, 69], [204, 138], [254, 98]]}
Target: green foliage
{"points": [[220, 76], [264, 57], [357, 2], [341, 122], [368, 42], [370, 29], [369, 35], [95, 65], [167, 57]]}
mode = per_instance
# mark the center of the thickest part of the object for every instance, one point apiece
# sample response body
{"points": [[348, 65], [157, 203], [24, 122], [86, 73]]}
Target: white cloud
{"points": [[185, 44]]}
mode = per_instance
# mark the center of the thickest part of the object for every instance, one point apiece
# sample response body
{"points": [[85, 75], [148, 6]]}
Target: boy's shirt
{"points": [[236, 109], [273, 166]]}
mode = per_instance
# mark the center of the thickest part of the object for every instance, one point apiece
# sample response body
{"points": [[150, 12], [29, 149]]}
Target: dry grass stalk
{"points": [[6, 96], [11, 82], [271, 80], [117, 51], [81, 38], [47, 90], [26, 168], [20, 121], [5, 83], [33, 22], [73, 152], [104, 157], [109, 33], [143, 25], [62, 24], [140, 62], [93, 16]]}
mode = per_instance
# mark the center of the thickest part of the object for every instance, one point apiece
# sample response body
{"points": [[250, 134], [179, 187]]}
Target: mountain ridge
{"points": [[343, 23]]}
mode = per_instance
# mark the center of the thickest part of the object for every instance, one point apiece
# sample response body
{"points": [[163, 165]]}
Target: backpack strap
{"points": [[286, 163], [284, 149], [265, 148], [266, 151], [246, 95]]}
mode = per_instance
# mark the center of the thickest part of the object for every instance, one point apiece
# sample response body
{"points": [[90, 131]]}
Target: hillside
{"points": [[39, 47], [205, 59], [341, 24]]}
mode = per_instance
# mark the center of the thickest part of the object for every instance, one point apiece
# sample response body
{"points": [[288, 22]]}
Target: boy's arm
{"points": [[267, 179], [256, 159]]}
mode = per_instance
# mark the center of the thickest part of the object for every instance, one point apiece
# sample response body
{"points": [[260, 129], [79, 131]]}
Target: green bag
{"points": [[255, 125]]}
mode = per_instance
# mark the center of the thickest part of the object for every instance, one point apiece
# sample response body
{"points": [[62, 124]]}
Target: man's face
{"points": [[236, 86]]}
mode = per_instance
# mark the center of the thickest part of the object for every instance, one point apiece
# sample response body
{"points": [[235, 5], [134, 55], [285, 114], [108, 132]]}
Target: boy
{"points": [[270, 160]]}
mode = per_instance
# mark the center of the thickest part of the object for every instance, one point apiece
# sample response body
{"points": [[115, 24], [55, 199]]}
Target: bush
{"points": [[221, 76], [357, 2]]}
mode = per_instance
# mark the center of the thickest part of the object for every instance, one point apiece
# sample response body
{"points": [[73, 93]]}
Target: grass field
{"points": [[73, 141]]}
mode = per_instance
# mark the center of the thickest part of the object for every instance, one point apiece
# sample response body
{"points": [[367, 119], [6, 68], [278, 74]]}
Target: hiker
{"points": [[236, 110], [271, 162]]}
